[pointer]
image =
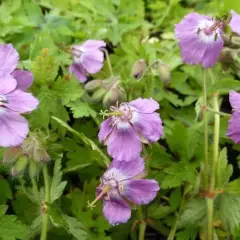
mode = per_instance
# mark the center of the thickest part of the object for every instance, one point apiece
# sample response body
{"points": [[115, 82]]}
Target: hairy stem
{"points": [[205, 120], [44, 207]]}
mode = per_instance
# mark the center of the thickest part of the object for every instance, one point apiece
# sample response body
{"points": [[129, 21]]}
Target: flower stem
{"points": [[210, 218], [142, 225], [205, 120], [44, 207], [108, 61], [215, 141], [218, 112]]}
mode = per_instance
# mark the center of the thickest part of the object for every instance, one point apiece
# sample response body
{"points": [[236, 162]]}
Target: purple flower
{"points": [[87, 58], [199, 39], [234, 122], [123, 180], [128, 126], [235, 22], [13, 99]]}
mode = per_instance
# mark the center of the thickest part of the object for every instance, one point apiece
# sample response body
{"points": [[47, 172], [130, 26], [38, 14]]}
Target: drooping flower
{"points": [[13, 99], [128, 126], [87, 58], [235, 22], [123, 181], [200, 39], [234, 122]]}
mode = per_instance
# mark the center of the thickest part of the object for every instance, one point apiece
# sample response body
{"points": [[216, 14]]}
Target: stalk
{"points": [[44, 208], [210, 200], [108, 61], [142, 225], [205, 120]]}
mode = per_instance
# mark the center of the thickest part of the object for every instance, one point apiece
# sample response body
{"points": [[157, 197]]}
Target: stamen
{"points": [[104, 191], [105, 113]]}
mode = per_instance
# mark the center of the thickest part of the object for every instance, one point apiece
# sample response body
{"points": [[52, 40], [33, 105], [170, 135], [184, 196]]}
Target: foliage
{"points": [[67, 120]]}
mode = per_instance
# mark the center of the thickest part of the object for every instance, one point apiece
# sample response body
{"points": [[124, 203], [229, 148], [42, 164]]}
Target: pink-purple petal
{"points": [[141, 191], [105, 129], [24, 79], [124, 144], [131, 168], [212, 53], [79, 72], [235, 22], [234, 99], [116, 210], [8, 59], [145, 105], [21, 102], [93, 44], [13, 128], [149, 126], [7, 84], [92, 61], [234, 127]]}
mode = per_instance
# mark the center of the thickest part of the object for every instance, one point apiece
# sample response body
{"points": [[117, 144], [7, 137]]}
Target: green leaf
{"points": [[81, 109], [10, 228], [223, 170], [57, 186], [229, 211], [67, 90], [85, 140], [5, 191], [187, 234], [233, 187], [194, 213], [76, 228], [3, 209]]}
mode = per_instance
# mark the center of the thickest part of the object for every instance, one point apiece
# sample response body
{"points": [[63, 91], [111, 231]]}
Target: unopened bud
{"points": [[93, 85], [11, 154], [41, 155], [99, 94], [113, 96], [164, 72], [139, 68], [32, 168], [20, 165]]}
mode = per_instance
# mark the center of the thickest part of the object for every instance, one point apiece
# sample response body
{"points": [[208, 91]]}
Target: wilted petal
{"points": [[140, 191], [24, 79], [116, 211], [21, 102], [8, 59], [13, 128]]}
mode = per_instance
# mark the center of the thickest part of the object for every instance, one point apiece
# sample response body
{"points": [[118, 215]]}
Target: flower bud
{"points": [[99, 94], [40, 155], [164, 72], [32, 168], [11, 154], [93, 85], [139, 68], [20, 165]]}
